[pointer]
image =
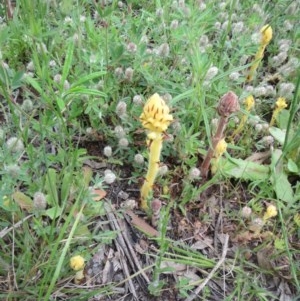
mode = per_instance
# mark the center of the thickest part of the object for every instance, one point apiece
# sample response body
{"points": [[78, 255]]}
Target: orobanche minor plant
{"points": [[155, 119]]}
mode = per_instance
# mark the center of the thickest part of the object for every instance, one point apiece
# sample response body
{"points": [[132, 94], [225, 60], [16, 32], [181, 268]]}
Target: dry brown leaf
{"points": [[141, 224], [98, 194]]}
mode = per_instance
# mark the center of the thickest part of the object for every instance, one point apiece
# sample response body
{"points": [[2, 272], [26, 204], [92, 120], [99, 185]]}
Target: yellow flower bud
{"points": [[155, 116], [249, 102], [280, 104], [220, 148], [270, 212], [266, 34], [77, 263]]}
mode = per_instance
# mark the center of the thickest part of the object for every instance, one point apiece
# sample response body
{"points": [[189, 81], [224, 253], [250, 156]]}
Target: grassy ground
{"points": [[74, 77]]}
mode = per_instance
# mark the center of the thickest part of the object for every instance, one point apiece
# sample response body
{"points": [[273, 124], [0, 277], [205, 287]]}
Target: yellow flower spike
{"points": [[219, 151], [266, 35], [156, 119], [155, 116], [249, 103], [77, 264], [220, 148], [280, 104], [270, 212]]}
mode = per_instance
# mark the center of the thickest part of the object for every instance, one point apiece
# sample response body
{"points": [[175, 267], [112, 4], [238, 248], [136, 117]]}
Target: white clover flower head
{"points": [[89, 131], [123, 142], [217, 25], [181, 3], [66, 85], [41, 48], [137, 100], [109, 177], [202, 6], [27, 105], [265, 126], [246, 212], [144, 39], [159, 12], [13, 170], [15, 145], [131, 47], [238, 27], [163, 170], [225, 25], [286, 90], [119, 72], [121, 109], [174, 24], [39, 201], [163, 50], [176, 125], [57, 78], [194, 173], [234, 76], [82, 18], [139, 159], [129, 204], [149, 51], [93, 59], [129, 74], [76, 37], [288, 25], [222, 5], [258, 128], [211, 73], [259, 91], [257, 224], [52, 64], [267, 141], [203, 41], [254, 120], [30, 66], [107, 151], [167, 97], [119, 132], [68, 20], [120, 4]]}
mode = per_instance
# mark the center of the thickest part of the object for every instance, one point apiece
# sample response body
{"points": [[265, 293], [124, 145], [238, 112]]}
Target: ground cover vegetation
{"points": [[149, 150]]}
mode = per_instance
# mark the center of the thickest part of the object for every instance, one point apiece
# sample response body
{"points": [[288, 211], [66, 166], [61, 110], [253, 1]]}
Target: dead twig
{"points": [[211, 274]]}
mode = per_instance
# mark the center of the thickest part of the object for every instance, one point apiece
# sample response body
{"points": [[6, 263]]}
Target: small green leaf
{"points": [[278, 134], [54, 212], [23, 201], [279, 244], [292, 166]]}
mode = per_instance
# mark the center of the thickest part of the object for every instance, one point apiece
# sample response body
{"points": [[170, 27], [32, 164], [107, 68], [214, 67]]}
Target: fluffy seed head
{"points": [[107, 151], [109, 177], [121, 108], [119, 72], [194, 173], [129, 74], [163, 170], [123, 142], [137, 100], [27, 105], [13, 170], [246, 212], [15, 145], [211, 73], [119, 131], [139, 159], [39, 201], [163, 50]]}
